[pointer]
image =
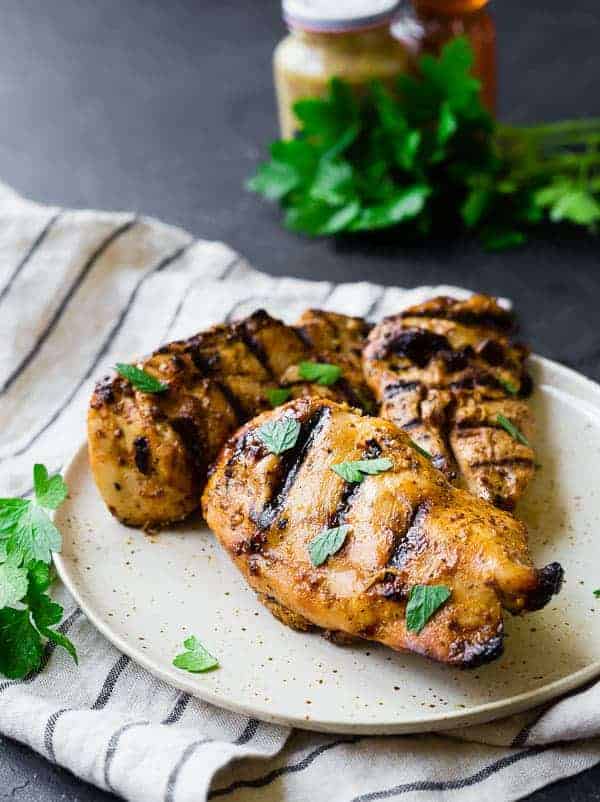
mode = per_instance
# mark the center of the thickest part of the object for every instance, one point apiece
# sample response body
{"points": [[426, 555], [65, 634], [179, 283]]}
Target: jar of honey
{"points": [[426, 26], [348, 39]]}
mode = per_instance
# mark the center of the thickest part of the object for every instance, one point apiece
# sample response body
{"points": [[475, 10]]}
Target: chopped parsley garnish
{"points": [[355, 471], [27, 539], [509, 386], [597, 593], [196, 659], [279, 435], [320, 372], [421, 450], [515, 433], [141, 380], [326, 543], [277, 395], [423, 602]]}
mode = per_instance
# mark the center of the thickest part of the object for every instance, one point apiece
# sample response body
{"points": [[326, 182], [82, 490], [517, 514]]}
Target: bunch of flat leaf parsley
{"points": [[27, 539], [430, 159]]}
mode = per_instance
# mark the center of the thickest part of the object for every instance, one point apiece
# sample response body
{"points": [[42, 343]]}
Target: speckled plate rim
{"points": [[581, 387]]}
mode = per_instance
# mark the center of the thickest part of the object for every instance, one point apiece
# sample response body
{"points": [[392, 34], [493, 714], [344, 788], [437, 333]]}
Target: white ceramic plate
{"points": [[147, 593]]}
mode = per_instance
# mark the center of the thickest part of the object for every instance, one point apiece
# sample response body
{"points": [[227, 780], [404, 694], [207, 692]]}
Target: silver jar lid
{"points": [[338, 16]]}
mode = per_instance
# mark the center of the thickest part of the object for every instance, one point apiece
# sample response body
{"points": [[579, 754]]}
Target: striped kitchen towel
{"points": [[76, 289]]}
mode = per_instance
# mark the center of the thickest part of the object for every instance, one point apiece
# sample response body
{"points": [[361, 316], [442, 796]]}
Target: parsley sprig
{"points": [[140, 379], [355, 470], [27, 540], [423, 602], [196, 658], [431, 159]]}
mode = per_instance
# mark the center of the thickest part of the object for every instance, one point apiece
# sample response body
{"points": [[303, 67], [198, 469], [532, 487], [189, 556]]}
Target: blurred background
{"points": [[166, 107]]}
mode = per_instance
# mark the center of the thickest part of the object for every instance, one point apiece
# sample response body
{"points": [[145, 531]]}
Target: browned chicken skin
{"points": [[408, 526], [150, 452], [444, 371]]}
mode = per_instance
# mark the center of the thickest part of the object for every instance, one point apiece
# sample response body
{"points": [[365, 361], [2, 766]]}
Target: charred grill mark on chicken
{"points": [[217, 380], [289, 465], [408, 526], [446, 368]]}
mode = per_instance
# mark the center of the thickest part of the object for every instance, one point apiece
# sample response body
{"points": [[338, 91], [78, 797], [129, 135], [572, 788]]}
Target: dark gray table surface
{"points": [[165, 107]]}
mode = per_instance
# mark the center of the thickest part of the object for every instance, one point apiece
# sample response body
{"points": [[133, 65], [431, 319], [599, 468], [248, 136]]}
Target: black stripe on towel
{"points": [[28, 255], [422, 785], [292, 768], [49, 732], [112, 748], [104, 348], [178, 710], [451, 785], [109, 683], [248, 733], [174, 775], [45, 333]]}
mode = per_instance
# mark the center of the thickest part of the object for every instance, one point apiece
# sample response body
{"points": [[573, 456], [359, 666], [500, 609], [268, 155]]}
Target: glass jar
{"points": [[429, 24], [348, 39]]}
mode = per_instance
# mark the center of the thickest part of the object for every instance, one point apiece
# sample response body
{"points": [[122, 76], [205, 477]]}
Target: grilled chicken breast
{"points": [[408, 526], [149, 453], [445, 371]]}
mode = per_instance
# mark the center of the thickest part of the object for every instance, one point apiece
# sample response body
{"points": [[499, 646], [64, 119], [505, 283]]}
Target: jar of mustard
{"points": [[348, 39]]}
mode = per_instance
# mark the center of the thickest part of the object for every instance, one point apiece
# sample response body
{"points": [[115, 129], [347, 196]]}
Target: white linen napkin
{"points": [[79, 291]]}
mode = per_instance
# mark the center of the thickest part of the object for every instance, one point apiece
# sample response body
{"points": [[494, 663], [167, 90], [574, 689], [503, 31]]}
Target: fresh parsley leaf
{"points": [[355, 471], [423, 452], [597, 593], [569, 200], [428, 158], [277, 395], [13, 584], [512, 430], [317, 218], [498, 240], [326, 543], [34, 536], [20, 644], [28, 538], [510, 387], [50, 491], [319, 372], [196, 659], [403, 206], [423, 602], [141, 380], [279, 435]]}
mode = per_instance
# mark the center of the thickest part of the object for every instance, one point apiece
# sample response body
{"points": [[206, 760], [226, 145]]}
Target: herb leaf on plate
{"points": [[277, 395], [420, 450], [279, 435], [513, 431], [356, 470], [423, 602], [196, 659], [326, 543], [320, 372], [140, 379]]}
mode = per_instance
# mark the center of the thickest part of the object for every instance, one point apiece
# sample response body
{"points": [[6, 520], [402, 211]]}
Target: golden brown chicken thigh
{"points": [[407, 526], [447, 372], [149, 453]]}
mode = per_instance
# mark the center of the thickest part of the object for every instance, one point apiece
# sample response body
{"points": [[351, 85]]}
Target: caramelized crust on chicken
{"points": [[150, 453], [444, 371], [408, 526]]}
